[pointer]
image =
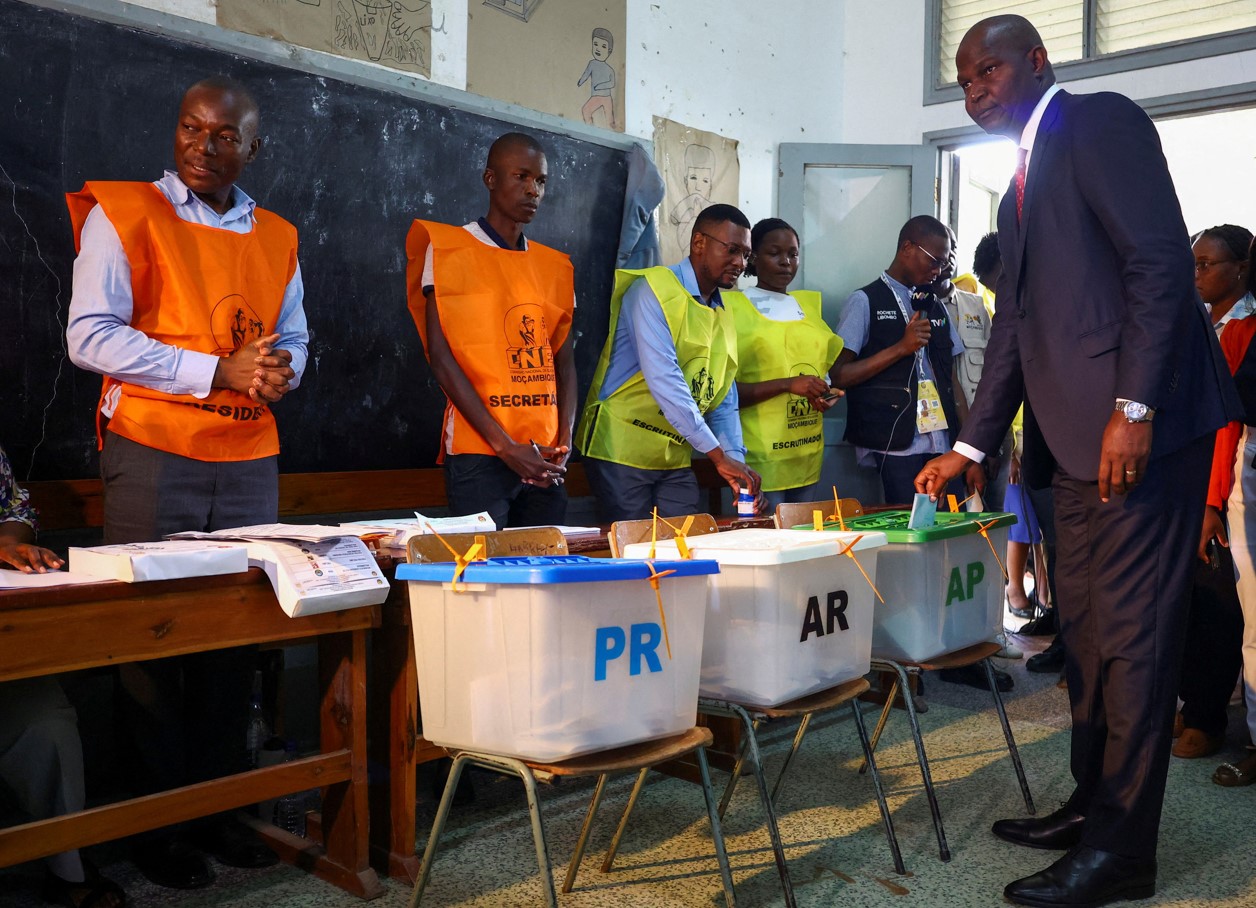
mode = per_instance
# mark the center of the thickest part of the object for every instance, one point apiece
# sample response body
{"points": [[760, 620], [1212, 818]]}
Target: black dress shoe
{"points": [[233, 844], [174, 864], [1044, 625], [975, 676], [1061, 829], [1086, 878], [1050, 660]]}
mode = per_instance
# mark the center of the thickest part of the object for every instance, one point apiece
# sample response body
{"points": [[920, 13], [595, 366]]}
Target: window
{"points": [[1092, 37]]}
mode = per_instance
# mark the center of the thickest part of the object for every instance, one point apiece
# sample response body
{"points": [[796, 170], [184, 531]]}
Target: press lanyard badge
{"points": [[929, 415]]}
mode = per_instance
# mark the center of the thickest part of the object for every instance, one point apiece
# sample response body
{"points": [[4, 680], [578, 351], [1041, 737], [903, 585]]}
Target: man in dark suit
{"points": [[1100, 331]]}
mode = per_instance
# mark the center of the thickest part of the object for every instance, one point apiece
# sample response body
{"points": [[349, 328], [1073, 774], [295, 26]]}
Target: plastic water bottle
{"points": [[257, 730], [290, 809], [745, 504]]}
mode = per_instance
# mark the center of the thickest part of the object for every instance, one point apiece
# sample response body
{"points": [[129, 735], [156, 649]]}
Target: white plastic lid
{"points": [[760, 546]]}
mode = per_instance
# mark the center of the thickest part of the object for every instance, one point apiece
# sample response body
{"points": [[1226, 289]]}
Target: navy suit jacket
{"points": [[1097, 299]]}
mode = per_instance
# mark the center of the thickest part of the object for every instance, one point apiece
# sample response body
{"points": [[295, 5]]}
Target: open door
{"points": [[848, 203]]}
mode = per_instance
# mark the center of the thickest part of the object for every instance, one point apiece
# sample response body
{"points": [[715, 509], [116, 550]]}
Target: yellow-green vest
{"points": [[628, 427], [784, 435]]}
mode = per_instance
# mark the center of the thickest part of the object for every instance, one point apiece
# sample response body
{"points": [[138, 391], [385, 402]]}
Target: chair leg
{"points": [[774, 833], [573, 866], [793, 749], [944, 850], [623, 822], [881, 720], [871, 762], [1007, 736], [731, 785], [717, 834], [538, 831], [438, 826]]}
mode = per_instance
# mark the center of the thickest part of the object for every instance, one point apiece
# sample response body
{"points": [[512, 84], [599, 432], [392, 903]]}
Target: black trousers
{"points": [[1124, 575], [1214, 644], [186, 715], [480, 482], [632, 493]]}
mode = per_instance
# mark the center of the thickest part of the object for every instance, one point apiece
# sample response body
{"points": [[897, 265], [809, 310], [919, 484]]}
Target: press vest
{"points": [[972, 324], [504, 312], [198, 288], [628, 427], [881, 412], [784, 435]]}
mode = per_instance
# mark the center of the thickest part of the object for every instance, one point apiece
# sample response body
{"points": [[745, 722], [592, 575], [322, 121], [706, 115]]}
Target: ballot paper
{"points": [[396, 533], [166, 560], [313, 577], [293, 532], [17, 580], [924, 512]]}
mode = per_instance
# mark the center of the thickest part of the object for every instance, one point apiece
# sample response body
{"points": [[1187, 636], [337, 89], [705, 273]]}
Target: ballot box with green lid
{"points": [[790, 612], [545, 658], [943, 585]]}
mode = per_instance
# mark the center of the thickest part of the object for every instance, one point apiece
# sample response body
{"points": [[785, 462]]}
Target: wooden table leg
{"points": [[345, 857], [394, 739]]}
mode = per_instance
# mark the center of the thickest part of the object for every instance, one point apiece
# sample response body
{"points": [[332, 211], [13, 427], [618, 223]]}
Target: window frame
{"points": [[1089, 66]]}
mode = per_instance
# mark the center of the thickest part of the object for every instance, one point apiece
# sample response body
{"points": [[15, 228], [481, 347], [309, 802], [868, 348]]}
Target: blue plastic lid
{"points": [[553, 569]]}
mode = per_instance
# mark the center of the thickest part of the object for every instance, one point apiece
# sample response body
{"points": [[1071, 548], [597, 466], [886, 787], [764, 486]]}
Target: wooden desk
{"points": [[62, 629]]}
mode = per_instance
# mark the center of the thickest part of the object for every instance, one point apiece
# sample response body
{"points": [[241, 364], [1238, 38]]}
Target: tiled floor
{"points": [[834, 842]]}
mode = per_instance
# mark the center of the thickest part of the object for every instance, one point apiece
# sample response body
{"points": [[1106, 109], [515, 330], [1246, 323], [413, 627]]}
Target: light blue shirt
{"points": [[852, 327], [99, 334], [643, 343]]}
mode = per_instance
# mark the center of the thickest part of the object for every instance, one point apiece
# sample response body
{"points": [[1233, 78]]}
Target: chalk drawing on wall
{"points": [[699, 169]]}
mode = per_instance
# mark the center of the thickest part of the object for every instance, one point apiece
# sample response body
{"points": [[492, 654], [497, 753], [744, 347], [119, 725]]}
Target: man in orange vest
{"points": [[188, 299], [494, 311]]}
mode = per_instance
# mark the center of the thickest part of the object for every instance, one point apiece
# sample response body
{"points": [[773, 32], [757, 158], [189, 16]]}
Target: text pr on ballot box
{"points": [[546, 658]]}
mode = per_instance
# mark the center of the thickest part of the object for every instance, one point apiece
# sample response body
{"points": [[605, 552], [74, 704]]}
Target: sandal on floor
{"points": [[95, 890], [1232, 775]]}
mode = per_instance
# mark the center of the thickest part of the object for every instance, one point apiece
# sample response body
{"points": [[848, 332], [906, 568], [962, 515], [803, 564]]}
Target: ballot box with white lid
{"points": [[546, 658], [943, 585], [790, 613]]}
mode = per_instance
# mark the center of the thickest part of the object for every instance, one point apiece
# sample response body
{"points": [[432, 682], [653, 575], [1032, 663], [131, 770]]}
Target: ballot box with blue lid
{"points": [[549, 657], [943, 585], [789, 614]]}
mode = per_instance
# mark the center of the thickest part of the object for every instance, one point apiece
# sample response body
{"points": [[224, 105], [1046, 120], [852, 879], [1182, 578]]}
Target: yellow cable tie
{"points": [[837, 511], [654, 533], [682, 544], [982, 529], [953, 503], [460, 560], [655, 576], [849, 551], [817, 520]]}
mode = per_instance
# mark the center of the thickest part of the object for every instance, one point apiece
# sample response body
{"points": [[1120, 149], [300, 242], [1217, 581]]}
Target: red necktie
{"points": [[1021, 155]]}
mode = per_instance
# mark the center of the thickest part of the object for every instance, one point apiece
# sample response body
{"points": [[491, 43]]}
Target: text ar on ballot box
{"points": [[943, 585], [545, 658], [789, 613]]}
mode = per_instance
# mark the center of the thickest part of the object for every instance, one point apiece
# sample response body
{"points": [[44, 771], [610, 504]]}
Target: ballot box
{"points": [[943, 585], [790, 612], [546, 658]]}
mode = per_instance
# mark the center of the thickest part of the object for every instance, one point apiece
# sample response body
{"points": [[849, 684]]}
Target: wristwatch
{"points": [[1134, 411]]}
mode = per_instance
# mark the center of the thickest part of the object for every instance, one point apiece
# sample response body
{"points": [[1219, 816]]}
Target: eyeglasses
{"points": [[1202, 265], [733, 249], [933, 258]]}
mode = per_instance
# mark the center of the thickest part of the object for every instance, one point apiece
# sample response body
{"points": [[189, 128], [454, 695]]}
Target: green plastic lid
{"points": [[894, 525]]}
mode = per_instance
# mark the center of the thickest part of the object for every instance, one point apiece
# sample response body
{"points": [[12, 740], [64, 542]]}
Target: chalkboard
{"points": [[350, 166]]}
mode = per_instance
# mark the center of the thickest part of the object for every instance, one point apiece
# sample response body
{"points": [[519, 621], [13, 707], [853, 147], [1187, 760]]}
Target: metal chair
{"points": [[752, 718], [796, 514], [634, 757]]}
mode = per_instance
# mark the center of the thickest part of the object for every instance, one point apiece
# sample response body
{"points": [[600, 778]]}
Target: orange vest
{"points": [[180, 301], [504, 312]]}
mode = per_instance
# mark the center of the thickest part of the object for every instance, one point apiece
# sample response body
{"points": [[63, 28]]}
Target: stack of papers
{"points": [[313, 577], [295, 532], [167, 560], [395, 534]]}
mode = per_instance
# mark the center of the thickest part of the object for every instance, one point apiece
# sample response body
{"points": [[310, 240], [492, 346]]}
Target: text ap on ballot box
{"points": [[943, 585], [790, 613], [545, 658]]}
